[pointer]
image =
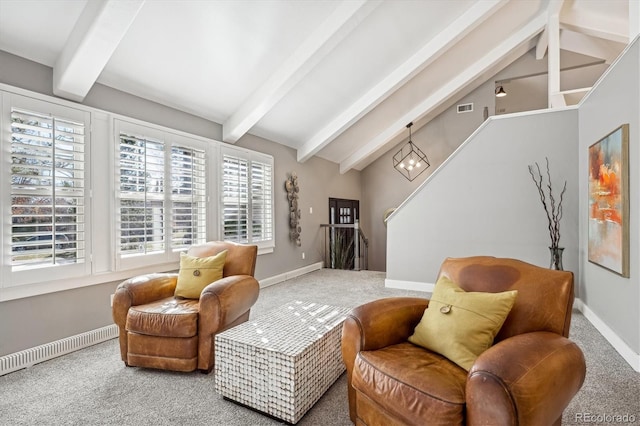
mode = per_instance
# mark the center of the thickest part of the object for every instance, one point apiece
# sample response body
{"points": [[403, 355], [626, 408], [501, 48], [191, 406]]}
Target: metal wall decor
{"points": [[291, 185], [410, 161]]}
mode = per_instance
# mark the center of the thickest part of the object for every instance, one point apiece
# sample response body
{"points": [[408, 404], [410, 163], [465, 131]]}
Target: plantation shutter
{"points": [[261, 201], [188, 196], [142, 203], [247, 197], [47, 190], [235, 198]]}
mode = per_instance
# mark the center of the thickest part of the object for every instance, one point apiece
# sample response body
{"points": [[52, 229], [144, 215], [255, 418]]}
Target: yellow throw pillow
{"points": [[198, 272], [461, 325]]}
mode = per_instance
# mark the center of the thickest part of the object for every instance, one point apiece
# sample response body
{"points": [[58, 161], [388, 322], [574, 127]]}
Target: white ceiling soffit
{"points": [[320, 43], [435, 47], [607, 20], [590, 46], [94, 38]]}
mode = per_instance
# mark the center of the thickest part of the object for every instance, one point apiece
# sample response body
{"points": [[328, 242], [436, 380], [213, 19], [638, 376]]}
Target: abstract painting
{"points": [[609, 201]]}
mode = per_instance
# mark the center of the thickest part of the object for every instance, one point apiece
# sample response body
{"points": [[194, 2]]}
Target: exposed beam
{"points": [[553, 58], [543, 41], [95, 36], [543, 44], [518, 40], [462, 26], [344, 18]]}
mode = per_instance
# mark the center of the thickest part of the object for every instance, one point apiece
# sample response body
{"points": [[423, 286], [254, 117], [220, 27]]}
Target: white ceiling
{"points": [[336, 79]]}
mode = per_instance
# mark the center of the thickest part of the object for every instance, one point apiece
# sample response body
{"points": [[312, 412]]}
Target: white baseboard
{"points": [[628, 354], [29, 357], [291, 274], [409, 285]]}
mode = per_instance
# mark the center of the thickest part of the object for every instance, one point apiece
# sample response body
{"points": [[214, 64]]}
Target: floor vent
{"points": [[29, 357]]}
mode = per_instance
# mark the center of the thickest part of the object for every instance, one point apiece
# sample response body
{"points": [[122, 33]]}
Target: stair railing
{"points": [[344, 249]]}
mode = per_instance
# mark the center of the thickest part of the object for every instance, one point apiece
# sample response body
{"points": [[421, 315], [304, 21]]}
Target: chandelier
{"points": [[410, 161]]}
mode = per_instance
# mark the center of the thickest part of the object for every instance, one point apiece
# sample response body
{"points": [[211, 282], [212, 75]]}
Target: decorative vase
{"points": [[556, 258]]}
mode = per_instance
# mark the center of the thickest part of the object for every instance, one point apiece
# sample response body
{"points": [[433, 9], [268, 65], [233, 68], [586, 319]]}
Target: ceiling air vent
{"points": [[465, 108]]}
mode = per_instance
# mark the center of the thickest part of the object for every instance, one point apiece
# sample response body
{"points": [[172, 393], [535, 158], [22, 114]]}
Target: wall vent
{"points": [[29, 357], [465, 108]]}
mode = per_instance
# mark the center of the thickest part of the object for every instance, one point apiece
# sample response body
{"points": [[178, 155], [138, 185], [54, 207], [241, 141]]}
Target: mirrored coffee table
{"points": [[282, 362]]}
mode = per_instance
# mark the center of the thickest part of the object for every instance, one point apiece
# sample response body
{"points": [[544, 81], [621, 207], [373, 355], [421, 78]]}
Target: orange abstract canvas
{"points": [[609, 201]]}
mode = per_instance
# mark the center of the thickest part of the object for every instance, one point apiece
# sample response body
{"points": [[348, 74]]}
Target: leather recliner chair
{"points": [[158, 330], [527, 377]]}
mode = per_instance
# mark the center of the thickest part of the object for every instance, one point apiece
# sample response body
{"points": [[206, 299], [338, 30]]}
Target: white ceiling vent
{"points": [[465, 108]]}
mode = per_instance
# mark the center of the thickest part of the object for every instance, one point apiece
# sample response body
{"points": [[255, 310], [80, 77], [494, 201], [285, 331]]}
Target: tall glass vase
{"points": [[556, 258]]}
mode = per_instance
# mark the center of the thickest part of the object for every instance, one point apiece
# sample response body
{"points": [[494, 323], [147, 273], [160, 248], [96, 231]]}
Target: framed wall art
{"points": [[609, 201]]}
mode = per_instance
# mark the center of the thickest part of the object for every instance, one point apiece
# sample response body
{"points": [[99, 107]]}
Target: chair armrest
{"points": [[224, 301], [525, 379], [382, 322], [375, 325], [140, 290]]}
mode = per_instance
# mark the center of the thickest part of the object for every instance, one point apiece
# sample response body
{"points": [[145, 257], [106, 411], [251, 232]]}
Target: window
{"points": [[247, 197], [162, 194], [89, 197], [48, 200]]}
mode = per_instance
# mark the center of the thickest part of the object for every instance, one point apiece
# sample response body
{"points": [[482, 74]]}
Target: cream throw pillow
{"points": [[198, 272], [461, 325]]}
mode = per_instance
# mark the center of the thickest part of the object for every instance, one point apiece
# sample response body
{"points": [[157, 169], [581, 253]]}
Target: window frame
{"points": [[264, 246], [169, 139], [14, 278]]}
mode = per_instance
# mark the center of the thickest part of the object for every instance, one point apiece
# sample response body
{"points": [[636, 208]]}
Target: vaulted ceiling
{"points": [[334, 79]]}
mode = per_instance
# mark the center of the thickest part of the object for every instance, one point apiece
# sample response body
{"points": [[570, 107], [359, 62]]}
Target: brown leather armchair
{"points": [[527, 377], [158, 330]]}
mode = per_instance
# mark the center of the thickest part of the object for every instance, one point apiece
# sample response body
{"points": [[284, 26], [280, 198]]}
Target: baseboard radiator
{"points": [[29, 357]]}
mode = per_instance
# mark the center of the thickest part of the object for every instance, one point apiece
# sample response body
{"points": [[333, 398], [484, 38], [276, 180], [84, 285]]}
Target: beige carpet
{"points": [[93, 387]]}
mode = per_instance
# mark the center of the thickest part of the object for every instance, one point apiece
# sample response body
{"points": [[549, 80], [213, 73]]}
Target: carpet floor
{"points": [[93, 387]]}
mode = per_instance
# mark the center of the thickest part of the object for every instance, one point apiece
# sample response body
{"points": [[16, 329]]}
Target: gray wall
{"points": [[615, 101], [383, 187], [32, 321], [482, 201], [318, 180]]}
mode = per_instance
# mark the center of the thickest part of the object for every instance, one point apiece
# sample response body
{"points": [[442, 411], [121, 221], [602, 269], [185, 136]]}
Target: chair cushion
{"points": [[198, 272], [168, 317], [412, 383], [461, 325]]}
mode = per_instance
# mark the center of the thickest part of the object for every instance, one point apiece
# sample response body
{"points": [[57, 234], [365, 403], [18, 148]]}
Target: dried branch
{"points": [[551, 209]]}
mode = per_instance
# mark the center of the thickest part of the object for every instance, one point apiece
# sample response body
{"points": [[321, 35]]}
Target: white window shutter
{"points": [[47, 190]]}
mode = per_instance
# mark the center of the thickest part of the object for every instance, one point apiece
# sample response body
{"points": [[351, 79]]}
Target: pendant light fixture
{"points": [[410, 161]]}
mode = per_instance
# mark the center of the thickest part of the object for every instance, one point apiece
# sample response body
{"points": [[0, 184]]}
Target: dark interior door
{"points": [[343, 212]]}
